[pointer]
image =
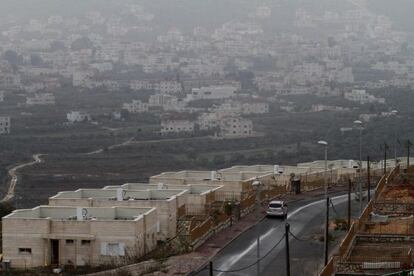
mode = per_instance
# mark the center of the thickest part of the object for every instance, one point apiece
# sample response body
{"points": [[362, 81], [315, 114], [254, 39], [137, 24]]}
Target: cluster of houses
{"points": [[202, 65], [116, 223], [223, 114]]}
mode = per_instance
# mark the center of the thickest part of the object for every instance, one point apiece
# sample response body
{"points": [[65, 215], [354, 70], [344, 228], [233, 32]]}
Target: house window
{"points": [[85, 242], [113, 249], [70, 242], [25, 251]]}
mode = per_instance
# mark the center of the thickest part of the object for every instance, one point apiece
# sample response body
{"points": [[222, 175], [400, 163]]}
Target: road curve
{"points": [[305, 219], [14, 176]]}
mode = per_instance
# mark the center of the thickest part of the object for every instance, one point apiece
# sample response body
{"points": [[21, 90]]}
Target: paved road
{"points": [[306, 218], [14, 177]]}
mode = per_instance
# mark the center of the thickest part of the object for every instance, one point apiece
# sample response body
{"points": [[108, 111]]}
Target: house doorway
{"points": [[54, 256]]}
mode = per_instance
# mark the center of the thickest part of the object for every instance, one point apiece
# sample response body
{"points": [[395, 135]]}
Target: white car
{"points": [[277, 208]]}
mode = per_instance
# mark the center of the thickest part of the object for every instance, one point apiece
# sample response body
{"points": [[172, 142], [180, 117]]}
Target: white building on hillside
{"points": [[209, 121], [361, 96], [177, 125], [168, 87], [41, 99], [212, 93], [78, 116], [255, 107], [136, 106], [4, 125], [140, 85], [161, 100], [234, 127]]}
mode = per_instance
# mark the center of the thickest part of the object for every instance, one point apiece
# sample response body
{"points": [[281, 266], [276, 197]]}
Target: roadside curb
{"points": [[198, 269]]}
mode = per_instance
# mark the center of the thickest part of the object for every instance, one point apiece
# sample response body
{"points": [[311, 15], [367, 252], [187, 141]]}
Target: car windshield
{"points": [[275, 205]]}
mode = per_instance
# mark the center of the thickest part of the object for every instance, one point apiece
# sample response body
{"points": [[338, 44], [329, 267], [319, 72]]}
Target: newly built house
{"points": [[168, 203], [198, 197], [52, 235]]}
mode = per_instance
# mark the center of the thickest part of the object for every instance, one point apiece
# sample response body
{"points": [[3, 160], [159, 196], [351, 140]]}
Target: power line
{"points": [[333, 207], [300, 239]]}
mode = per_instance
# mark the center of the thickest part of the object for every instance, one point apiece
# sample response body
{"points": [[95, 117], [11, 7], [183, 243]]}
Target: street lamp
{"points": [[358, 123], [395, 113], [325, 145], [257, 185]]}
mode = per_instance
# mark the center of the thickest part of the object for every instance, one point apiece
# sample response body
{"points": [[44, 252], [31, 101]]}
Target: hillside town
{"points": [[194, 73], [200, 138]]}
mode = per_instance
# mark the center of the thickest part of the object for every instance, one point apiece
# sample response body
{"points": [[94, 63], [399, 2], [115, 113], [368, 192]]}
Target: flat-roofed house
{"points": [[198, 197], [235, 184], [167, 203], [54, 235]]}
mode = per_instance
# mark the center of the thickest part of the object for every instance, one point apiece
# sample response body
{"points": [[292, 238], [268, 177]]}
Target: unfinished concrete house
{"points": [[381, 240]]}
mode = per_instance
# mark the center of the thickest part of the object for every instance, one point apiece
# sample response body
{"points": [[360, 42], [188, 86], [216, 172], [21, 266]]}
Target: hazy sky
{"points": [[202, 11]]}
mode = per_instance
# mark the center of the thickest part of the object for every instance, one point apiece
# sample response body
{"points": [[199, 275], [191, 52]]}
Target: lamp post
{"points": [[257, 184], [325, 145], [395, 113], [409, 144], [360, 128]]}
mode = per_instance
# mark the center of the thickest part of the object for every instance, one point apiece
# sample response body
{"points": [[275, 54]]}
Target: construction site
{"points": [[380, 242]]}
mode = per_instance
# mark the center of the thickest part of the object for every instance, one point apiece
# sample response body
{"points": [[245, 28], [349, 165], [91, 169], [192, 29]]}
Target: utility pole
{"points": [[287, 233], [369, 178], [409, 144], [385, 157], [349, 202], [326, 244], [360, 128], [210, 268], [258, 185]]}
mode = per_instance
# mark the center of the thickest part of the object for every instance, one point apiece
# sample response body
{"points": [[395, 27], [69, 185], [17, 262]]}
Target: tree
{"points": [[36, 60], [246, 79], [57, 45], [237, 158], [82, 43], [219, 160], [5, 209], [12, 57]]}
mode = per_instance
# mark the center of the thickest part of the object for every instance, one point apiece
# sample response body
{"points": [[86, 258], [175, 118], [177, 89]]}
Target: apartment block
{"points": [[235, 127], [136, 106], [51, 235], [177, 125]]}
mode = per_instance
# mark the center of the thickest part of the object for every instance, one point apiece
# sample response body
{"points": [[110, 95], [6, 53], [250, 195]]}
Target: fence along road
{"points": [[304, 216]]}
